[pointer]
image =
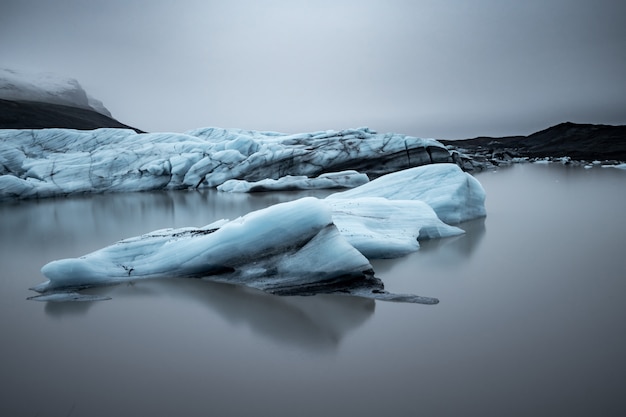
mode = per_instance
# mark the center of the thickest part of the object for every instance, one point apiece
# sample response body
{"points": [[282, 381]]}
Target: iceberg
{"points": [[382, 228], [304, 253], [454, 195], [331, 180], [618, 166], [49, 162]]}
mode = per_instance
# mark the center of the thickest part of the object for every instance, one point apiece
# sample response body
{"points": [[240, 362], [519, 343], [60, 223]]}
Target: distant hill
{"points": [[578, 141], [20, 114], [39, 100]]}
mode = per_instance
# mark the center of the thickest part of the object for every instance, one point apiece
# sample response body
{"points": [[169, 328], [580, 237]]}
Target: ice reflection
{"points": [[60, 310], [449, 251], [531, 315], [59, 228], [316, 323], [458, 247]]}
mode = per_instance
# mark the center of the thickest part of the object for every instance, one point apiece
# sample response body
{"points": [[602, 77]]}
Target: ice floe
{"points": [[288, 248], [456, 196], [382, 228], [618, 166]]}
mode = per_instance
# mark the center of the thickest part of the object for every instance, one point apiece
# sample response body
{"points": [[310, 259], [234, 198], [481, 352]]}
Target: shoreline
{"points": [[567, 143]]}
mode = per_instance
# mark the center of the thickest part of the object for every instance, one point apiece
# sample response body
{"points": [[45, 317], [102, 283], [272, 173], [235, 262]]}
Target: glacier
{"points": [[52, 162], [302, 254]]}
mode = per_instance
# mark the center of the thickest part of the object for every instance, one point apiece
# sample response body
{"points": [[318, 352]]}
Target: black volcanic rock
{"points": [[577, 141], [18, 114]]}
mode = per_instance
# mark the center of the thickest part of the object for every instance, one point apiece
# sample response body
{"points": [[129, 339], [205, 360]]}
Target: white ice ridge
{"points": [[49, 162], [456, 196], [289, 248], [382, 228], [343, 179], [47, 88]]}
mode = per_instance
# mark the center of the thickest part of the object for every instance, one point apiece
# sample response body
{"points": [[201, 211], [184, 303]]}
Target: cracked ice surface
{"points": [[49, 162]]}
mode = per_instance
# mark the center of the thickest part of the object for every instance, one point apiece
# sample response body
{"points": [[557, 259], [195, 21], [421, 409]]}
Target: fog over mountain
{"points": [[446, 70], [45, 100], [47, 88]]}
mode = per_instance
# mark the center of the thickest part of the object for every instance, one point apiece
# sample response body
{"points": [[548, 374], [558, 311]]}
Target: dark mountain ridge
{"points": [[578, 141], [21, 114]]}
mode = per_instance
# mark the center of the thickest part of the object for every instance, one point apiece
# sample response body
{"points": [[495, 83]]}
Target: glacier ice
{"points": [[49, 162], [456, 196], [382, 228], [303, 253], [330, 180]]}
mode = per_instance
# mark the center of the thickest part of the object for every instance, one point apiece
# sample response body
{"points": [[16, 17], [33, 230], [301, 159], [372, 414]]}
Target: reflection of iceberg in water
{"points": [[448, 251], [458, 247], [88, 222], [317, 323]]}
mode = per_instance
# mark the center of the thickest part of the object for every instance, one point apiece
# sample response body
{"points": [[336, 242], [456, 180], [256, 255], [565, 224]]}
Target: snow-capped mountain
{"points": [[47, 87]]}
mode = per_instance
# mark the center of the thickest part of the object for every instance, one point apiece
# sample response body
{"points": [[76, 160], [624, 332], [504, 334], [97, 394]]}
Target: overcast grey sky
{"points": [[430, 68]]}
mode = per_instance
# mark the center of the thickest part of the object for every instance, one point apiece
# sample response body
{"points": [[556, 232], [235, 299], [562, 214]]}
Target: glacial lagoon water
{"points": [[530, 319]]}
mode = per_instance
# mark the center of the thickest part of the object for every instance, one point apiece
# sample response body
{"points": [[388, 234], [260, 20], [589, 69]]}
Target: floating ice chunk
{"points": [[289, 248], [456, 196], [344, 179], [189, 252], [618, 166], [382, 228]]}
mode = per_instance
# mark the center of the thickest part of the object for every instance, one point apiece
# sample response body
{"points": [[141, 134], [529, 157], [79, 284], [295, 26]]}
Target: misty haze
{"points": [[312, 208]]}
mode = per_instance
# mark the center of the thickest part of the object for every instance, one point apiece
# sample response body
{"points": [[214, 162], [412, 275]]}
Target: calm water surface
{"points": [[531, 318]]}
